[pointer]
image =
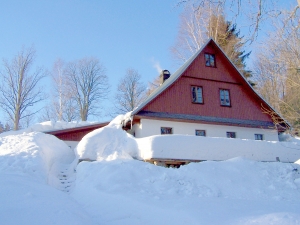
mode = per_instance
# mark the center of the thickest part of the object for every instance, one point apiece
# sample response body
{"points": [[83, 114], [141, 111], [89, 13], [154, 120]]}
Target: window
{"points": [[200, 133], [166, 130], [231, 134], [224, 97], [259, 137], [197, 94], [210, 60]]}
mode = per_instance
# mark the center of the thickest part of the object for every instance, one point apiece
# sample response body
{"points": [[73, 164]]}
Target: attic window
{"points": [[210, 60], [197, 94]]}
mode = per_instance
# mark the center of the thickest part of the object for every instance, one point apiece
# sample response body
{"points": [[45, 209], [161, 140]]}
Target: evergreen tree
{"points": [[228, 38], [199, 24]]}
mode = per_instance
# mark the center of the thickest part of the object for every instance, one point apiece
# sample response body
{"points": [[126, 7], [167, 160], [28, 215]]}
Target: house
{"points": [[207, 96], [72, 136]]}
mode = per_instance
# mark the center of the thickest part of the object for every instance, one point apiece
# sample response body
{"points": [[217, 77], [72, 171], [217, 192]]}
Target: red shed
{"points": [[73, 135]]}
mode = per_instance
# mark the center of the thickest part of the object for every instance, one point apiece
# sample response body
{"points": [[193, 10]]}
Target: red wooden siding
{"points": [[75, 134], [245, 104]]}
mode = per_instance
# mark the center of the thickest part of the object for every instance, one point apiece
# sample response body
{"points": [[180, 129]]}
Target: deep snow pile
{"points": [[237, 191], [237, 178], [208, 148], [120, 190], [35, 153], [32, 167], [108, 143]]}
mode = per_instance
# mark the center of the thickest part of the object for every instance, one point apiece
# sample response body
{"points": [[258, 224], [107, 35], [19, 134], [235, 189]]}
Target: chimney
{"points": [[164, 75]]}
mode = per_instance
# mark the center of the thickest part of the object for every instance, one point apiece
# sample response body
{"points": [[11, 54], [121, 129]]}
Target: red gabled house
{"points": [[207, 96]]}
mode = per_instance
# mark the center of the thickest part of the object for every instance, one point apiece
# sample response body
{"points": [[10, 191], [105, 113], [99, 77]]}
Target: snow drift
{"points": [[209, 148], [107, 143], [36, 154]]}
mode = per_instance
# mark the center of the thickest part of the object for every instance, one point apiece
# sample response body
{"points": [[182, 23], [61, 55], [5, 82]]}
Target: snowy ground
{"points": [[41, 183]]}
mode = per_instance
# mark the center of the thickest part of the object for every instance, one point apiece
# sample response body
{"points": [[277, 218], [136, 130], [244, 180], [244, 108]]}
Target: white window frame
{"points": [[197, 94], [210, 60], [259, 135], [225, 97]]}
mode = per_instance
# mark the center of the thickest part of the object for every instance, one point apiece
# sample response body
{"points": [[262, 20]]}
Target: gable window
{"points": [[259, 137], [200, 133], [210, 60], [166, 130], [224, 97], [231, 134], [197, 94]]}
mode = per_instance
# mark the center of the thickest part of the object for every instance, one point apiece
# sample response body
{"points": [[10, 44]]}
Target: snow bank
{"points": [[24, 200], [237, 191], [36, 154], [208, 148], [237, 178], [107, 143]]}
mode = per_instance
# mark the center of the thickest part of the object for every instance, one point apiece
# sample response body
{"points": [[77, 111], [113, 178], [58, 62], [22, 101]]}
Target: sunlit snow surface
{"points": [[41, 183]]}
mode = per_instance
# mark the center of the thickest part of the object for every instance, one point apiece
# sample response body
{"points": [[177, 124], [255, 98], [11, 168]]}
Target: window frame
{"points": [[207, 58], [204, 131], [224, 105], [230, 132], [258, 135], [168, 128], [195, 102]]}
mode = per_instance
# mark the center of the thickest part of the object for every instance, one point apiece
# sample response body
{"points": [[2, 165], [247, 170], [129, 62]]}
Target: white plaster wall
{"points": [[152, 127]]}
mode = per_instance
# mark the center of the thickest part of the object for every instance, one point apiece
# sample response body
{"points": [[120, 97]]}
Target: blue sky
{"points": [[121, 34]]}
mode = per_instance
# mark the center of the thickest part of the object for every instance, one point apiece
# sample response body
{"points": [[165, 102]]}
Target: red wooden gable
{"points": [[176, 97]]}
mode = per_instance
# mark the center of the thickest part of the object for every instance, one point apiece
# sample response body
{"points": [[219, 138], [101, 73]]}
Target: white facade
{"points": [[149, 127]]}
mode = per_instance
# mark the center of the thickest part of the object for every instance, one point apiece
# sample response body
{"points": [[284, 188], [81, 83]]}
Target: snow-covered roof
{"points": [[174, 77]]}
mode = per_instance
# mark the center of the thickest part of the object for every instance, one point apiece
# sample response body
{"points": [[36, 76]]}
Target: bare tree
{"points": [[256, 13], [19, 89], [277, 68], [199, 24], [130, 93], [88, 84], [64, 106], [194, 29]]}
